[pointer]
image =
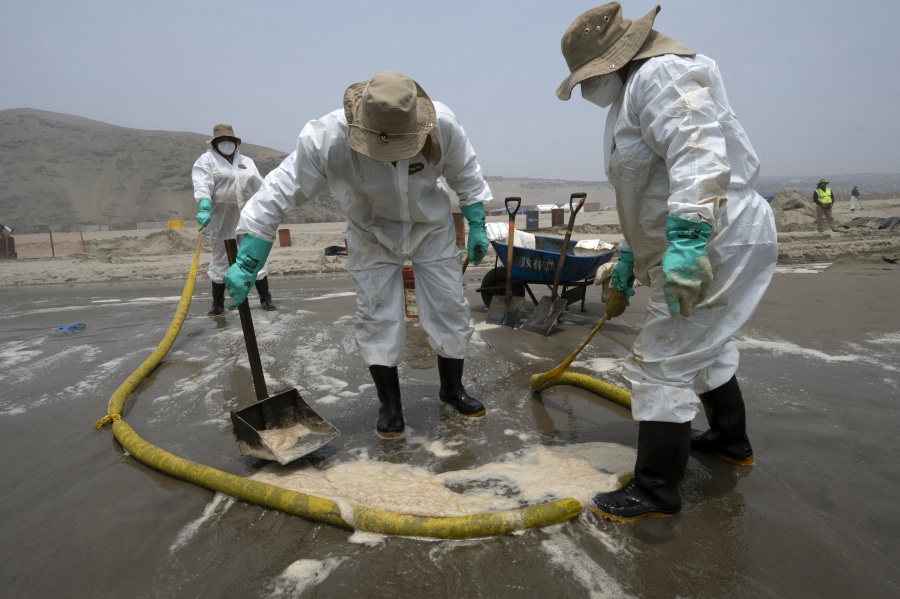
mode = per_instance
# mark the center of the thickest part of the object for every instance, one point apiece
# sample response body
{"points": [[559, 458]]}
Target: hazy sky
{"points": [[814, 82]]}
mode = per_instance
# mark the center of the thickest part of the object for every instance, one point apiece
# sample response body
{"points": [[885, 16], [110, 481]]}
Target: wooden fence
{"points": [[47, 245]]}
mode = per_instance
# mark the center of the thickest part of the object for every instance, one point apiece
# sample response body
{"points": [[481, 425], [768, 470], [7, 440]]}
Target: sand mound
{"points": [[166, 242], [865, 264], [875, 222], [590, 229], [794, 212]]}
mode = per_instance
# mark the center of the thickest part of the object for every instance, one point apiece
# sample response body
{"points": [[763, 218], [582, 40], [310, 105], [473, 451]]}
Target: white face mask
{"points": [[226, 148], [602, 90]]}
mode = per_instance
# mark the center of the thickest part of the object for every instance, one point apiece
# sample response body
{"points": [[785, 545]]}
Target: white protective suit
{"points": [[393, 213], [228, 186], [672, 144]]}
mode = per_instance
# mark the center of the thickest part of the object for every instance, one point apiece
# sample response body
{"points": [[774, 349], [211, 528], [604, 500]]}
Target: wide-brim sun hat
{"points": [[600, 41], [223, 130], [822, 181], [391, 118]]}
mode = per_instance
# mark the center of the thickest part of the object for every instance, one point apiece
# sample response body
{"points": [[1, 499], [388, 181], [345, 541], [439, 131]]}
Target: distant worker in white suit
{"points": [[223, 180], [694, 231], [854, 199], [383, 155]]}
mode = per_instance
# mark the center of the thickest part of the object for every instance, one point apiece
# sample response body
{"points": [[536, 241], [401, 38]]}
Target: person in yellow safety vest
{"points": [[824, 200]]}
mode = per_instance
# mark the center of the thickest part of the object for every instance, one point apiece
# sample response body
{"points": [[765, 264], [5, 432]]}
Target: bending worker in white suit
{"points": [[694, 231], [223, 180], [382, 155]]}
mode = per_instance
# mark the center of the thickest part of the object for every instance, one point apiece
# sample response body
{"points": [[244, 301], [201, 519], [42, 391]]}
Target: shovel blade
{"points": [[281, 428], [505, 310], [514, 312], [544, 315]]}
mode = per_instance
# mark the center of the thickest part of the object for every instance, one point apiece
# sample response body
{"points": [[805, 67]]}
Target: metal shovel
{"points": [[545, 314], [505, 309], [282, 427]]}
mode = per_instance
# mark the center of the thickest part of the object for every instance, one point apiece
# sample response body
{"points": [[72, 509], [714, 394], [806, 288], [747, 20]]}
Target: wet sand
{"points": [[820, 371]]}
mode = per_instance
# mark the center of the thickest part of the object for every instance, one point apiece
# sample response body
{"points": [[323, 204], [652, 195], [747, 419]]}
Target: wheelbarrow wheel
{"points": [[494, 283]]}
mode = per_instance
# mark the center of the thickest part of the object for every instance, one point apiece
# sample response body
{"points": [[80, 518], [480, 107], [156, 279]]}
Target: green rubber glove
{"points": [[623, 274], [685, 265], [477, 244], [203, 214], [241, 275]]}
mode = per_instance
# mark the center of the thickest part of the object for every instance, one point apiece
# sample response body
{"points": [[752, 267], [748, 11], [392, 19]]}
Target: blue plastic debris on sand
{"points": [[72, 328]]}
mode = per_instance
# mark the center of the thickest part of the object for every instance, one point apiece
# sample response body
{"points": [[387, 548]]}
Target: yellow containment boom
{"points": [[605, 390], [615, 306], [301, 504]]}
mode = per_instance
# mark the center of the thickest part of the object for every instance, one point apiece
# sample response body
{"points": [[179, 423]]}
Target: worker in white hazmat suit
{"points": [[383, 155], [694, 231], [224, 180]]}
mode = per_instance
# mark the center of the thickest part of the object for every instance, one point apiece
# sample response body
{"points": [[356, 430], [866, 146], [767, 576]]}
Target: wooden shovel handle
{"points": [[509, 241], [565, 245]]}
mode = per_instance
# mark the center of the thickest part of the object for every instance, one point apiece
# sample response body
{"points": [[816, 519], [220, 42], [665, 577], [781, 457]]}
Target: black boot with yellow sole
{"points": [[663, 449]]}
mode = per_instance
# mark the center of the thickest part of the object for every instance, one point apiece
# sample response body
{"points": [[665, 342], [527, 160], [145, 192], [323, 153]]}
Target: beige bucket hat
{"points": [[822, 181], [224, 130], [600, 41], [391, 118]]}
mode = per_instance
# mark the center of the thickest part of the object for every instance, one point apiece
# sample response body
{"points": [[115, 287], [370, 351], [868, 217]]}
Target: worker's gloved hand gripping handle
{"points": [[252, 255], [616, 304], [204, 206], [685, 265], [477, 244], [623, 274]]}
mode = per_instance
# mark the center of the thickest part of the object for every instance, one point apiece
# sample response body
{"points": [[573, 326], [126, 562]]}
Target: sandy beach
{"points": [[166, 254]]}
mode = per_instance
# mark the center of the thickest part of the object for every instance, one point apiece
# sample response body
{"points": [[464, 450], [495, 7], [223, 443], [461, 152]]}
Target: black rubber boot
{"points": [[663, 449], [390, 415], [265, 298], [727, 434], [218, 305], [452, 390]]}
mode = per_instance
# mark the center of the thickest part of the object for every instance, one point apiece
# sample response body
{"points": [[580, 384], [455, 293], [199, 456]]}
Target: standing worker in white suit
{"points": [[383, 155], [854, 199], [694, 231], [223, 180]]}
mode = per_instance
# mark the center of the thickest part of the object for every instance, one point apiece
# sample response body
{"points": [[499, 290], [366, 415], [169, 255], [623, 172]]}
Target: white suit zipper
{"points": [[402, 178]]}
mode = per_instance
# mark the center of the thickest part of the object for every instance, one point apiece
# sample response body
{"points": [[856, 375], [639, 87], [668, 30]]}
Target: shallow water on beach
{"points": [[820, 372]]}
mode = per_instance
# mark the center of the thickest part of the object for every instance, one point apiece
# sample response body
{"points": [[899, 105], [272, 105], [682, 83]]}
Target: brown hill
{"points": [[63, 170]]}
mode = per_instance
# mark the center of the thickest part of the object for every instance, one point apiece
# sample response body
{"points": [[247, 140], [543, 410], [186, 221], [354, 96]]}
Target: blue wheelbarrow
{"points": [[538, 267]]}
